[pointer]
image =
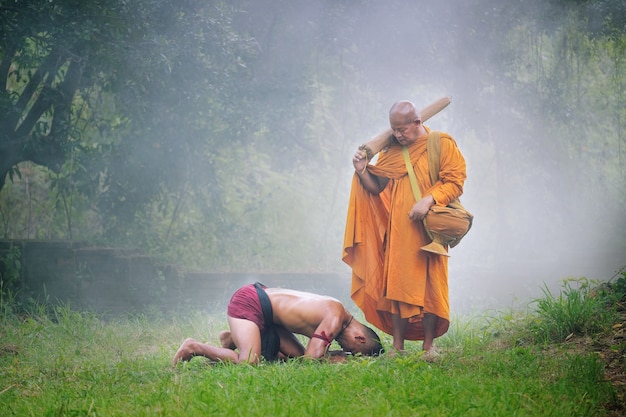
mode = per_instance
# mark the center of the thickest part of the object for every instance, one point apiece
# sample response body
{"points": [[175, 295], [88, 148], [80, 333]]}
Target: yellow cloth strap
{"points": [[409, 168], [433, 150]]}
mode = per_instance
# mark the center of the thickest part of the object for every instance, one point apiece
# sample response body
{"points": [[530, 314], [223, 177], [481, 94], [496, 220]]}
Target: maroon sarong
{"points": [[245, 304]]}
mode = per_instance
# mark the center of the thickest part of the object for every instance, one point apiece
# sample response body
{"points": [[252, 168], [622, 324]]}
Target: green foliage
{"points": [[10, 274], [102, 80], [580, 308], [76, 363], [619, 286], [196, 131]]}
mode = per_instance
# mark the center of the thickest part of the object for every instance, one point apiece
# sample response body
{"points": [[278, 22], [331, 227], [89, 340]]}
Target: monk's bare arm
{"points": [[420, 209], [370, 182]]}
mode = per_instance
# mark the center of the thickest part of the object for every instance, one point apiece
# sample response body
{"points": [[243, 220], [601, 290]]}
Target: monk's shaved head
{"points": [[403, 112], [405, 122]]}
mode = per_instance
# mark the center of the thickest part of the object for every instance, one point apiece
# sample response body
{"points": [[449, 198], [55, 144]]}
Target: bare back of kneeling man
{"points": [[321, 318]]}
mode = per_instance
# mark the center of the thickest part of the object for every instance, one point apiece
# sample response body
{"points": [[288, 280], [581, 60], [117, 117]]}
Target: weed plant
{"points": [[67, 363], [583, 307]]}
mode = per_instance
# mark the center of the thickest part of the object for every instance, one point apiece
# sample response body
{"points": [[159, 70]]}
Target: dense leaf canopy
{"points": [[218, 136]]}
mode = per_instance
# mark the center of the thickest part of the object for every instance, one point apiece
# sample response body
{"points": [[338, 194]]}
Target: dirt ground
{"points": [[611, 348]]}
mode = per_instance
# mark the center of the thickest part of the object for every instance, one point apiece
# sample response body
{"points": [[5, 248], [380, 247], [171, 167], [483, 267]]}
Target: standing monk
{"points": [[401, 289]]}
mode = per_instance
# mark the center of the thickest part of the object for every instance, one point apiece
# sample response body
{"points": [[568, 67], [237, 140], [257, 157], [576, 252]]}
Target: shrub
{"points": [[580, 308]]}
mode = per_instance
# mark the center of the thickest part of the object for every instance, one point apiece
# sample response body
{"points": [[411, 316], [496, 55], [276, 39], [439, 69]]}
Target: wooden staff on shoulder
{"points": [[384, 139]]}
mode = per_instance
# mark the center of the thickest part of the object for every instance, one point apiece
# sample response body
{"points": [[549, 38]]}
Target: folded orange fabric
{"points": [[390, 273]]}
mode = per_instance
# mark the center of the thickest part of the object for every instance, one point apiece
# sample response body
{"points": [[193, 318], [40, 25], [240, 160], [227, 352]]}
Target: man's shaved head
{"points": [[403, 112]]}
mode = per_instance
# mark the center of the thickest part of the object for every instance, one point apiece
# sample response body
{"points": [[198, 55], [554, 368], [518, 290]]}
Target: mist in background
{"points": [[538, 219], [222, 134]]}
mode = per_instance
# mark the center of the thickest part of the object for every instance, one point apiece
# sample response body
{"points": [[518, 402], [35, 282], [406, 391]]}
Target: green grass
{"points": [[581, 307], [66, 363]]}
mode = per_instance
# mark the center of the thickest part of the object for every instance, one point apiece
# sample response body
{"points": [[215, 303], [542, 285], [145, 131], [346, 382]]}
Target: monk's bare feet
{"points": [[431, 355], [185, 351], [226, 340], [396, 352]]}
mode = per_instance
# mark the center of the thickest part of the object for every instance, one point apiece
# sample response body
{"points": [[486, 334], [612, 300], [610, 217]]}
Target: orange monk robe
{"points": [[390, 273]]}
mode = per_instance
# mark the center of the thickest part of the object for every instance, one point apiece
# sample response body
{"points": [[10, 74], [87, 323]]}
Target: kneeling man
{"points": [[263, 322]]}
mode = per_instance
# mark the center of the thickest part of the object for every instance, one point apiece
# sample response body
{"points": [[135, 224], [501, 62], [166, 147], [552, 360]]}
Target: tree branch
{"points": [[48, 67]]}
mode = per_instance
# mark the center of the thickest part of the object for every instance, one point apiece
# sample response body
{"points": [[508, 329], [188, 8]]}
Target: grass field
{"points": [[59, 362]]}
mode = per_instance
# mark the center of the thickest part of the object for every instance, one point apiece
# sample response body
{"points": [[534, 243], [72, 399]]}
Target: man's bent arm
{"points": [[372, 183], [323, 336]]}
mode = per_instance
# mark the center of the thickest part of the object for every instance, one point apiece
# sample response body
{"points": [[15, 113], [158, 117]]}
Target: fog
{"points": [[540, 123], [537, 220]]}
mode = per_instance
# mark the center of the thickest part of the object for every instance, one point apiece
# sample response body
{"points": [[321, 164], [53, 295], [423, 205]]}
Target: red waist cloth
{"points": [[245, 304]]}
